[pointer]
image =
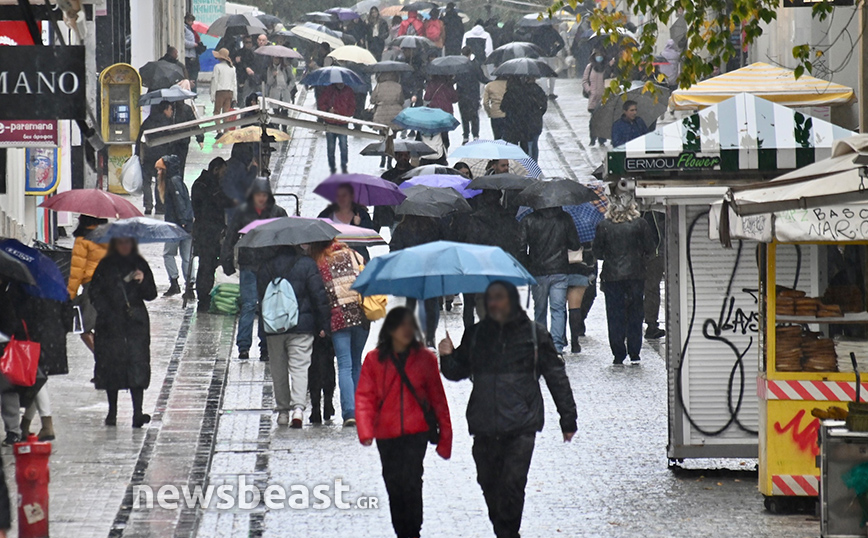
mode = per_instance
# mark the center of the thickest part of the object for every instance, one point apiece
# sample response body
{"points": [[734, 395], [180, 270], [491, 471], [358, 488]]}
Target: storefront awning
{"points": [[776, 84], [744, 133]]}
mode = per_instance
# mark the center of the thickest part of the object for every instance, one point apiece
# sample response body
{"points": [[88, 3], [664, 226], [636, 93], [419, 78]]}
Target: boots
{"points": [[575, 322], [328, 410], [25, 427], [47, 431], [174, 289], [315, 413]]}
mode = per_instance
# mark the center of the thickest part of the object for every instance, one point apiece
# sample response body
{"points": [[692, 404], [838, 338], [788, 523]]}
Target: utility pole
{"points": [[863, 70]]}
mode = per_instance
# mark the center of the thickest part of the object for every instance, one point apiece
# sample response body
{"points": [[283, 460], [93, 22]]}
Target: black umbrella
{"points": [[400, 146], [288, 231], [172, 95], [246, 24], [269, 20], [13, 269], [555, 193], [389, 66], [524, 67], [511, 51], [449, 65], [161, 74], [434, 202], [651, 106], [419, 6], [412, 42], [320, 17], [502, 182]]}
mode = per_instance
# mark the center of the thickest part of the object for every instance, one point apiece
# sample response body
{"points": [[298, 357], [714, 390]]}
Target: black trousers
{"points": [[402, 472], [321, 374], [502, 464], [208, 250], [432, 314], [469, 119], [624, 315], [136, 395]]}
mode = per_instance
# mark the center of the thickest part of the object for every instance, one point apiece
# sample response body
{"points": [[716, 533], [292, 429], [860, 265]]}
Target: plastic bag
{"points": [[131, 175]]}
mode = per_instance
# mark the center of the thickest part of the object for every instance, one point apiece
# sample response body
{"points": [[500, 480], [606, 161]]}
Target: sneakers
{"points": [[350, 423], [141, 420], [263, 357], [174, 289], [575, 347], [464, 141], [654, 333], [283, 418], [12, 438], [243, 355], [618, 362], [635, 360], [297, 417]]}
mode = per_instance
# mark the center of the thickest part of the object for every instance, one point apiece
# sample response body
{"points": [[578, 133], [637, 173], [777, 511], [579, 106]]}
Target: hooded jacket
{"points": [[454, 27], [248, 258], [86, 255], [175, 195], [546, 235], [506, 398], [240, 170], [479, 40], [302, 273], [209, 208], [412, 20]]}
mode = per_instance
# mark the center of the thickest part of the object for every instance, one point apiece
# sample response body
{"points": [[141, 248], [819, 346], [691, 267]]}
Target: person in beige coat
{"points": [[223, 82], [492, 95], [388, 100]]}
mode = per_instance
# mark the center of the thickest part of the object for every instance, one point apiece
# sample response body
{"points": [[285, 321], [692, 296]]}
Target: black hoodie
{"points": [[249, 258]]}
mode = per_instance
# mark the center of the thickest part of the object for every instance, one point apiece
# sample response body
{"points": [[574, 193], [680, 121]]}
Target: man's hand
{"points": [[568, 436], [322, 334], [201, 145], [367, 442], [413, 99], [446, 347], [249, 71], [138, 276]]}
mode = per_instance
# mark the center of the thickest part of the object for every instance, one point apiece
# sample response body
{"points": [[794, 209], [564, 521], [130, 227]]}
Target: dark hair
{"points": [[216, 163], [461, 164], [628, 103], [479, 22], [394, 319], [466, 50], [113, 248], [86, 224], [396, 19]]}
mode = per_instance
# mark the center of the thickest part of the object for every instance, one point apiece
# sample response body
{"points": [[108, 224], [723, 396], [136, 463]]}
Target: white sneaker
{"points": [[297, 417], [283, 418]]}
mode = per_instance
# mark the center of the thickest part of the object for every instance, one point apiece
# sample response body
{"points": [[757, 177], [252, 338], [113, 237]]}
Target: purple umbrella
{"points": [[343, 13], [367, 190], [459, 183]]}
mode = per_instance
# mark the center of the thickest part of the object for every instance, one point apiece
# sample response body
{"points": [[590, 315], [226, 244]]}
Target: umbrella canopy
{"points": [[459, 183], [160, 74], [354, 54], [343, 13], [278, 51], [419, 6], [367, 190], [651, 107], [489, 149], [349, 234], [389, 66], [320, 17], [11, 268], [535, 20], [524, 67], [240, 23], [511, 51], [399, 146], [430, 169], [288, 231], [412, 42], [172, 94], [142, 229], [252, 133], [611, 43], [555, 193], [317, 33], [269, 20], [522, 167], [391, 11], [94, 202], [440, 268], [449, 65], [426, 120], [433, 202], [332, 75], [49, 282], [501, 182]]}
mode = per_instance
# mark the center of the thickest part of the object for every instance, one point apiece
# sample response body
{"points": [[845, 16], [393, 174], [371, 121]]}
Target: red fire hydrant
{"points": [[31, 475]]}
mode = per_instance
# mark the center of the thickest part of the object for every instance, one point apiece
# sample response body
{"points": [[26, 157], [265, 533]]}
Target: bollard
{"points": [[31, 475]]}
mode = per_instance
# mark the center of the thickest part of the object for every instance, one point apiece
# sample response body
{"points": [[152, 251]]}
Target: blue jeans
{"points": [[349, 345], [551, 291], [331, 138], [624, 314], [170, 250], [249, 300], [531, 147]]}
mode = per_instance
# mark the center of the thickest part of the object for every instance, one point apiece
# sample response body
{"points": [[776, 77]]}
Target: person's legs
{"points": [[488, 457], [244, 338], [208, 258], [474, 122], [633, 321], [469, 306], [558, 309], [517, 453], [331, 140], [278, 354], [465, 122], [299, 348], [139, 418], [10, 409], [357, 344], [342, 341], [112, 417], [170, 250], [345, 155], [540, 294], [616, 318], [402, 460], [185, 247], [651, 303], [575, 295], [432, 319], [147, 190], [533, 149]]}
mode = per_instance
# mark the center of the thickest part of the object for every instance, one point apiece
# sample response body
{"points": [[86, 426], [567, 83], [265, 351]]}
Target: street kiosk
{"points": [[121, 117]]}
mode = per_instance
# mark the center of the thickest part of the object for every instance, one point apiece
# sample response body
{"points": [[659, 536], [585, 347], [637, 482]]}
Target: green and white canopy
{"points": [[739, 135]]}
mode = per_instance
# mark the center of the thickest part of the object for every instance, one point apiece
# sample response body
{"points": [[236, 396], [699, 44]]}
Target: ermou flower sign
{"points": [[42, 83]]}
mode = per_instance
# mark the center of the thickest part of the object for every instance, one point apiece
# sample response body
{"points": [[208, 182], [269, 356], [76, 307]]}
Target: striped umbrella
{"points": [[522, 167]]}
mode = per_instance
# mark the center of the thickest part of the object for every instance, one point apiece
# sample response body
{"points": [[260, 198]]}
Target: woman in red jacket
{"points": [[387, 410]]}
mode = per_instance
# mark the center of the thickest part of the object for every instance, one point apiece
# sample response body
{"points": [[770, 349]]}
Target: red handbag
{"points": [[20, 360]]}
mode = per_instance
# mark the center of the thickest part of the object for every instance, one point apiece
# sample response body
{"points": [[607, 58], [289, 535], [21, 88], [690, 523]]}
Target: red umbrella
{"points": [[93, 202]]}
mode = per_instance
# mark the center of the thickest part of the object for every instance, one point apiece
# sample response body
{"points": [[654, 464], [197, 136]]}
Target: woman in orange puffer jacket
{"points": [[86, 255]]}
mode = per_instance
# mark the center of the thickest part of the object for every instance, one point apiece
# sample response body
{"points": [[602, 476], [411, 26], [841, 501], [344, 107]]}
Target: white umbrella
{"points": [[354, 54], [316, 36]]}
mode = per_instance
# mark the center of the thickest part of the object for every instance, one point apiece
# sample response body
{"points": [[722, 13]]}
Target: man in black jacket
{"points": [[467, 85], [505, 354], [454, 27], [544, 239], [384, 215], [289, 352], [209, 211], [260, 205], [160, 116], [176, 199]]}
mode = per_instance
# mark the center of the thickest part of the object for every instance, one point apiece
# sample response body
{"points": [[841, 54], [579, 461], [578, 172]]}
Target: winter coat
{"points": [[433, 30], [467, 85], [149, 155], [388, 101], [209, 210], [86, 255], [223, 79], [492, 96], [672, 68], [441, 94], [46, 324], [413, 231], [524, 106], [241, 170], [314, 313], [248, 258], [480, 41], [175, 195], [624, 130], [454, 27], [122, 340], [279, 83], [412, 20], [594, 84], [385, 408], [492, 225], [182, 113], [377, 43], [506, 398], [545, 236], [624, 248], [365, 221], [339, 268], [337, 101]]}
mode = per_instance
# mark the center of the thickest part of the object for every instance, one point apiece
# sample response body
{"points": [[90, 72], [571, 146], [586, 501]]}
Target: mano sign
{"points": [[42, 83]]}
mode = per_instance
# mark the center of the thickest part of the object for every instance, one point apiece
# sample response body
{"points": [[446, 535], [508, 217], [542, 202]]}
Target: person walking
{"points": [[279, 81], [384, 215], [524, 104], [492, 96], [345, 210], [179, 210], [339, 267], [545, 237], [86, 256], [400, 394], [377, 30], [454, 29], [624, 243], [224, 83], [413, 231], [594, 85], [193, 47], [260, 205], [433, 29], [579, 276], [479, 40], [654, 269], [290, 350], [467, 85], [629, 126], [387, 98], [321, 379], [121, 284], [440, 93], [412, 25], [505, 354], [209, 222], [549, 40], [161, 116], [337, 99]]}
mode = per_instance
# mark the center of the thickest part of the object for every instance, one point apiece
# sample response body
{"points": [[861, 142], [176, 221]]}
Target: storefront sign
{"points": [[28, 133], [208, 11], [42, 83], [41, 175], [685, 161]]}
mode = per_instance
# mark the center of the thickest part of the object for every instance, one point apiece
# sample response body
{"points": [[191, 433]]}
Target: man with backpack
{"points": [[294, 307], [412, 25]]}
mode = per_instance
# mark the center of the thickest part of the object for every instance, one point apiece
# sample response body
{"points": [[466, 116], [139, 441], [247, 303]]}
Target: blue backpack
{"points": [[279, 306]]}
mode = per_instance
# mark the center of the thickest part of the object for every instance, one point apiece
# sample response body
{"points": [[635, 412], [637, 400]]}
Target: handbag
{"points": [[576, 256], [427, 410], [20, 360], [200, 48], [374, 305]]}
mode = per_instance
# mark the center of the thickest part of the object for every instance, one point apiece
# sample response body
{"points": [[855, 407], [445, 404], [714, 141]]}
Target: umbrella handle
{"points": [[858, 378]]}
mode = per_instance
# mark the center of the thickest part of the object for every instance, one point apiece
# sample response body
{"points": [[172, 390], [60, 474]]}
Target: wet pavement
{"points": [[213, 423]]}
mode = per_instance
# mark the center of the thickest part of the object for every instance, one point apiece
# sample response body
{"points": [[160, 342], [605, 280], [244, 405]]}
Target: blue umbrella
{"points": [[477, 166], [426, 120], [459, 183], [489, 149], [142, 229], [440, 268], [50, 283], [327, 76]]}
